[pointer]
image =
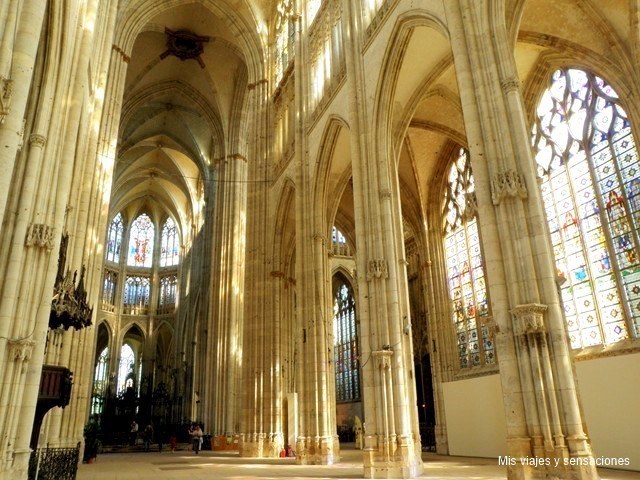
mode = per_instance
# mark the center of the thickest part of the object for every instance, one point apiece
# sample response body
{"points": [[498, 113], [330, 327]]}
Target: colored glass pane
{"points": [[114, 239], [169, 244], [345, 345], [136, 291], [465, 267], [590, 181], [141, 242]]}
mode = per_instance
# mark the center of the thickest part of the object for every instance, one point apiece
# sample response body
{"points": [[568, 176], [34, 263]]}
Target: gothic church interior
{"points": [[409, 225]]}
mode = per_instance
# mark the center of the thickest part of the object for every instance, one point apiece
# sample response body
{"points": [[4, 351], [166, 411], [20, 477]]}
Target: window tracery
{"points": [[168, 290], [346, 354], [588, 165], [285, 36], [141, 242], [114, 239], [136, 291], [465, 267], [99, 382], [126, 369], [169, 244], [109, 287]]}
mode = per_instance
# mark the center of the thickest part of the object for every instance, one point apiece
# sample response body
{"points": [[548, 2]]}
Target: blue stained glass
{"points": [[465, 267], [604, 183]]}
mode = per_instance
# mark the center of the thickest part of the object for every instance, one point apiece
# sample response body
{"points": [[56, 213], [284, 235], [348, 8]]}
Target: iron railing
{"points": [[54, 463]]}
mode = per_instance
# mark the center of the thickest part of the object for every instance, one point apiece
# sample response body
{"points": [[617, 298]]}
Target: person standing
{"points": [[148, 437], [133, 433], [196, 437]]}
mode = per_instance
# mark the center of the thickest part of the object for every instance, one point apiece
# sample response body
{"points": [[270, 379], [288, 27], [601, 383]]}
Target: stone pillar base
{"points": [[317, 450], [399, 457], [260, 445]]}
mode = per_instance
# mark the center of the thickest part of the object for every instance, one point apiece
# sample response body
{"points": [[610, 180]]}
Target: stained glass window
{"points": [[170, 244], [588, 164], [141, 242], [285, 34], [99, 382], [114, 239], [126, 370], [346, 345], [136, 291], [465, 266], [109, 287], [168, 289]]}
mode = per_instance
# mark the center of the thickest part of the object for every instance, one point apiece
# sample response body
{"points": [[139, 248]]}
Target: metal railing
{"points": [[54, 463]]}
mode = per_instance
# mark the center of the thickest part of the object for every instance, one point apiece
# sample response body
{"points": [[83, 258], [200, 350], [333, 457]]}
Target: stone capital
{"points": [[377, 269], [508, 183], [21, 350], [40, 235], [37, 140], [528, 318], [383, 358], [6, 92], [511, 84]]}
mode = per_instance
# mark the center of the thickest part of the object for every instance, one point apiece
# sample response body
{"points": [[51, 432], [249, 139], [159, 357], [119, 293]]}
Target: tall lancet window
{"points": [[588, 165], [285, 35], [345, 344], [126, 369], [109, 287], [100, 382], [141, 242], [136, 291], [465, 267], [114, 239], [170, 244]]}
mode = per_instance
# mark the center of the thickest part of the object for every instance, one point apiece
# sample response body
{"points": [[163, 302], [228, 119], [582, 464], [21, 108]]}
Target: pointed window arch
{"points": [[136, 291], [141, 242], [465, 266], [100, 382], [168, 291], [285, 36], [114, 239], [109, 287], [346, 355], [590, 181], [170, 244], [126, 369]]}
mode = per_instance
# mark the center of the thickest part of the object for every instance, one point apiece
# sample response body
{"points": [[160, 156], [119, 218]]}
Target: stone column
{"points": [[260, 424], [541, 404], [225, 314], [392, 439], [16, 73]]}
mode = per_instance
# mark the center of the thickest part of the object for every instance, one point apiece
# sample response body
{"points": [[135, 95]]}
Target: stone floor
{"points": [[226, 465]]}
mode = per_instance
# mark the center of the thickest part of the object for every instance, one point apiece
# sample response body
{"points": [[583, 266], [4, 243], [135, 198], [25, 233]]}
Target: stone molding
{"points": [[377, 269], [37, 140], [383, 358], [529, 318], [507, 184], [40, 235], [125, 58], [509, 85], [21, 350], [6, 92]]}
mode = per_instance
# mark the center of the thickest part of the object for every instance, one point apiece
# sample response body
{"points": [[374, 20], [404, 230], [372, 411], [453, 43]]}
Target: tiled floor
{"points": [[221, 465]]}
